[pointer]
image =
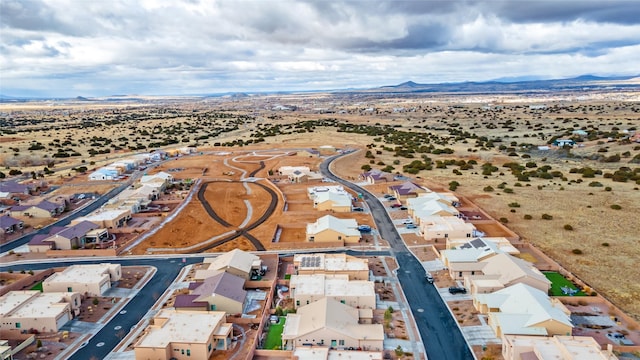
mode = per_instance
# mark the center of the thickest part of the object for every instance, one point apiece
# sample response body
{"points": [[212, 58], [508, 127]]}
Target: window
{"points": [[339, 237], [18, 325], [209, 348], [297, 302], [460, 274], [473, 273], [341, 342], [188, 352], [307, 302], [311, 238], [212, 307], [333, 343], [468, 235], [69, 289], [343, 301]]}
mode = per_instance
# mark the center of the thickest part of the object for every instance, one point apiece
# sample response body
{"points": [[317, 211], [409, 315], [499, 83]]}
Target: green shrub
{"points": [[514, 205], [605, 244], [616, 207], [577, 251], [504, 220], [546, 217], [488, 189], [528, 217], [568, 227]]}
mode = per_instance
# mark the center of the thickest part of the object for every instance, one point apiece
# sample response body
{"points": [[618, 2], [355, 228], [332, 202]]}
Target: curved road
{"points": [[439, 331]]}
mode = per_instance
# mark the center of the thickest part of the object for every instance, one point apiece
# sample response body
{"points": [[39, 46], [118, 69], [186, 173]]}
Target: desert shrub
{"points": [[488, 189], [504, 220], [514, 205], [595, 184], [547, 217], [616, 207], [508, 191], [608, 188], [605, 244], [528, 217], [453, 185], [577, 251], [568, 227]]}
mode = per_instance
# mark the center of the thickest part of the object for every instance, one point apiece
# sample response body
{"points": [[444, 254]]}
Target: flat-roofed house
{"points": [[221, 292], [92, 279], [331, 264], [104, 173], [330, 229], [522, 347], [325, 353], [236, 262], [108, 219], [181, 335], [524, 310], [32, 309], [162, 179], [9, 225], [445, 227], [333, 201], [328, 322], [503, 244], [306, 289], [288, 170]]}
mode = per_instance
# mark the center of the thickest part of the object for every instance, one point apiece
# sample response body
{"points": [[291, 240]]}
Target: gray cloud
{"points": [[189, 46]]}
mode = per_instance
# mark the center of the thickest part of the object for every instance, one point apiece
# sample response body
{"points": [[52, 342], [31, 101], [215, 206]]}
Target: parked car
{"points": [[396, 205], [391, 198], [357, 208], [386, 196], [403, 208], [412, 226], [407, 221], [457, 290], [364, 228], [429, 278]]}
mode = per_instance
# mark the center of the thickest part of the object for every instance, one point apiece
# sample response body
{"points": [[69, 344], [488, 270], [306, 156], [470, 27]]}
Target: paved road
{"points": [[167, 270], [440, 334], [97, 203]]}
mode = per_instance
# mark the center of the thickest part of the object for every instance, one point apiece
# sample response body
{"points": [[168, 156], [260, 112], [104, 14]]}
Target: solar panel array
{"points": [[310, 261]]}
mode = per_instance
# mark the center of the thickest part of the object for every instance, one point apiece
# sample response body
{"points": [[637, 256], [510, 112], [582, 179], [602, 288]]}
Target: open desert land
{"points": [[579, 205]]}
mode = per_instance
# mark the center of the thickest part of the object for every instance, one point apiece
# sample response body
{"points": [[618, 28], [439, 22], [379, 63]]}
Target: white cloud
{"points": [[159, 46]]}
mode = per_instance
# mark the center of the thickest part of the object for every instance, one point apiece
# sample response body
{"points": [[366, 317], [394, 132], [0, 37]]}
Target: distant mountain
{"points": [[522, 84]]}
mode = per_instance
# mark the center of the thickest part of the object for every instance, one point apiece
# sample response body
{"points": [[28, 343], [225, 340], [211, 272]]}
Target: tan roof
{"points": [[183, 327], [340, 285], [235, 258], [333, 315], [510, 268]]}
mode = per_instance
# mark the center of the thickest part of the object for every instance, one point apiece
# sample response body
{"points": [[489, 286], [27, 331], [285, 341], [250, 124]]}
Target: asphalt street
{"points": [[440, 334], [107, 338]]}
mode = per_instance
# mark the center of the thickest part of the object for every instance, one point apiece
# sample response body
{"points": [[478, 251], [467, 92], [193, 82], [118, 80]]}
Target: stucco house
{"points": [[12, 187], [524, 310], [332, 201], [328, 322], [407, 189], [31, 309], [376, 176], [521, 347], [445, 227], [43, 209], [331, 264], [504, 270], [182, 335], [221, 292], [9, 225], [330, 229], [108, 219], [306, 289], [236, 262], [91, 279], [67, 238], [104, 173]]}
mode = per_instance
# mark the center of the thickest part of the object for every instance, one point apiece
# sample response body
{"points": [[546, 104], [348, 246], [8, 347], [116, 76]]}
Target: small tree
{"points": [[453, 185], [96, 301]]}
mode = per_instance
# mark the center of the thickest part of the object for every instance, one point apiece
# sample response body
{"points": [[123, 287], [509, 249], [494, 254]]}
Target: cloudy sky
{"points": [[104, 47]]}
